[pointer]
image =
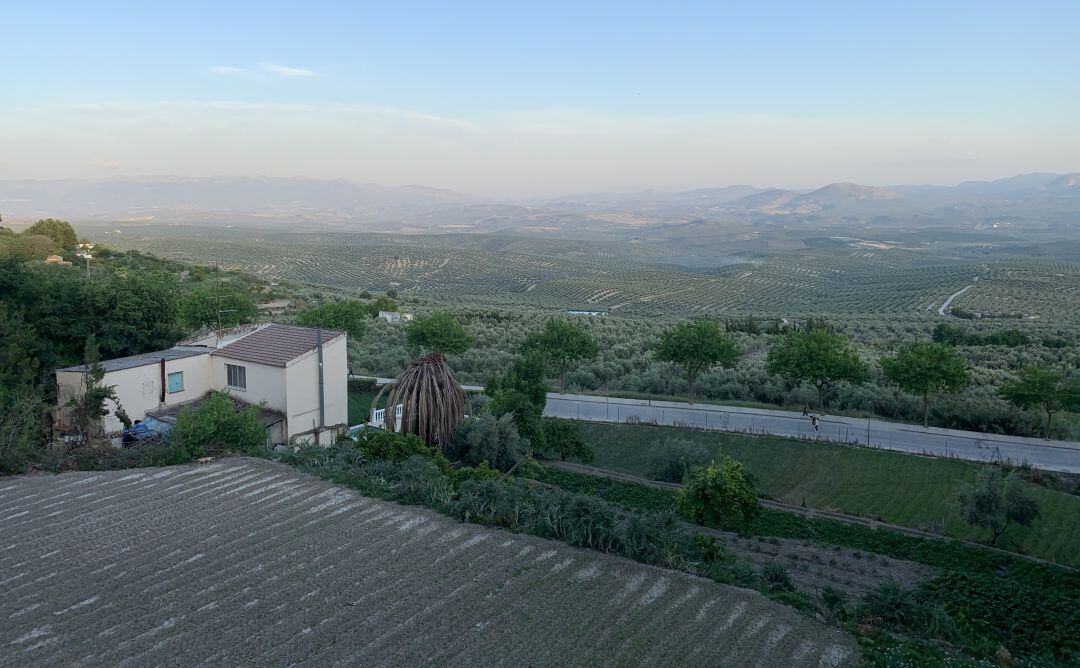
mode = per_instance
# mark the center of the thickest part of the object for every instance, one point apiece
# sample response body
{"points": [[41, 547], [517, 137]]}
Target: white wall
{"points": [[264, 383], [303, 391], [138, 389]]}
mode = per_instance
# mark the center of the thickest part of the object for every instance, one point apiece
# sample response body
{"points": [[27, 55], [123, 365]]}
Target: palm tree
{"points": [[433, 403]]}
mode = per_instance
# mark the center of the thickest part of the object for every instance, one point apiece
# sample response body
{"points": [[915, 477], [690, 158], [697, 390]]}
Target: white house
{"points": [[395, 316], [297, 374]]}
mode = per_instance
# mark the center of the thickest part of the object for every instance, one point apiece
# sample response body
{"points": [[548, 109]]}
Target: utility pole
{"points": [[84, 252]]}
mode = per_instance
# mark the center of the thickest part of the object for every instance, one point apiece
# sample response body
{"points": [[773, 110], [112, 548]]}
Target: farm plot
{"points": [[1045, 291], [249, 562], [497, 271], [897, 488]]}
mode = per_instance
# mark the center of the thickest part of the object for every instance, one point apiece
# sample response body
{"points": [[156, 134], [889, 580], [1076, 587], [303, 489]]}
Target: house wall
{"points": [[302, 385], [138, 389], [264, 383]]}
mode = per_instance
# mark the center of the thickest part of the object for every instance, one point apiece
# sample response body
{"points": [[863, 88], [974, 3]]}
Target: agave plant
{"points": [[432, 401]]}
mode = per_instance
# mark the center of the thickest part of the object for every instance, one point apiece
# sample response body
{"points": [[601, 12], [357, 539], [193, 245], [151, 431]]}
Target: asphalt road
{"points": [[1062, 456]]}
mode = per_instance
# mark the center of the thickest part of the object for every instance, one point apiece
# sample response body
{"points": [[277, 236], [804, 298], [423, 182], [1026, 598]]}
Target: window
{"points": [[237, 376], [176, 382]]}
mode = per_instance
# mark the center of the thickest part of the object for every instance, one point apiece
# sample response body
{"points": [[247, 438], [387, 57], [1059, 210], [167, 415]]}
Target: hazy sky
{"points": [[515, 98]]}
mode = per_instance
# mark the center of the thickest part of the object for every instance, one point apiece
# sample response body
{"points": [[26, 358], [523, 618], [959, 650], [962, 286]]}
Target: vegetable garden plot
{"points": [[247, 561]]}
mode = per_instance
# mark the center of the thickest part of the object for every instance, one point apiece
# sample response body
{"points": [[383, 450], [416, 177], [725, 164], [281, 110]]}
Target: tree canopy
{"points": [[817, 356], [217, 308], [521, 391], [60, 231], [718, 495], [348, 315], [562, 343], [1044, 388], [697, 346], [438, 332], [923, 368], [994, 501]]}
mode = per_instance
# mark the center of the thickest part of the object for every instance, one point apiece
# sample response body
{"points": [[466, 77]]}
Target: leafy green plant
{"points": [[994, 502], [485, 438], [697, 346], [439, 332], [720, 494], [217, 424], [562, 343]]}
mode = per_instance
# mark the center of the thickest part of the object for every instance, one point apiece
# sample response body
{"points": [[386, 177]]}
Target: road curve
{"points": [[948, 302]]}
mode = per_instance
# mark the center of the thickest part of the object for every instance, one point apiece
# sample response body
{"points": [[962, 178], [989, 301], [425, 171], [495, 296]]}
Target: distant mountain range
{"points": [[1040, 198]]}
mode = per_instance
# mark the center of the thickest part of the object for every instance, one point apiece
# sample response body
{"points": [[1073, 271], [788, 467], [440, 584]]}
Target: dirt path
{"points": [[948, 302]]}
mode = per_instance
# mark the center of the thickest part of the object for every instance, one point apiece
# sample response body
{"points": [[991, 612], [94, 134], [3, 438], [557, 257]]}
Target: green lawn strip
{"points": [[360, 406], [895, 487], [1031, 609]]}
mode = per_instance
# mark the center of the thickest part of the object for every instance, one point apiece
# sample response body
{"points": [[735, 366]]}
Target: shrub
{"points": [[388, 446], [483, 471], [671, 458], [416, 480], [486, 438], [775, 577], [835, 601], [563, 437], [720, 494], [217, 424]]}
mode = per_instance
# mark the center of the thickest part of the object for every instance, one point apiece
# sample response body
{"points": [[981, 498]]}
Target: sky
{"points": [[544, 98]]}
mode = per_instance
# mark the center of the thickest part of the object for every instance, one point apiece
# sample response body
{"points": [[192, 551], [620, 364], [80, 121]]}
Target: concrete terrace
{"points": [[249, 562]]}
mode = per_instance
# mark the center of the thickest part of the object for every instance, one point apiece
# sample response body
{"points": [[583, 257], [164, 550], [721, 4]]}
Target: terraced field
{"points": [[249, 562], [839, 278]]}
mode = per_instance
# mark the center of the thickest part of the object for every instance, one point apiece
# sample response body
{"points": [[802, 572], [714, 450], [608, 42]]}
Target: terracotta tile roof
{"points": [[275, 345]]}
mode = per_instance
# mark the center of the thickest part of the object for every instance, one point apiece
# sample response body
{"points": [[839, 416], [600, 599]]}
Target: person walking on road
{"points": [[814, 422], [805, 410]]}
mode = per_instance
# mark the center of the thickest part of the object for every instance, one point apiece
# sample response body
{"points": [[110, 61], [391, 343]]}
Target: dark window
{"points": [[237, 376]]}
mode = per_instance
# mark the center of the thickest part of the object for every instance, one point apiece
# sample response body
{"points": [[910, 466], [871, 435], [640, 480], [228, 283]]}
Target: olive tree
{"points": [[817, 356], [923, 368], [1045, 388], [994, 501], [563, 343], [697, 346]]}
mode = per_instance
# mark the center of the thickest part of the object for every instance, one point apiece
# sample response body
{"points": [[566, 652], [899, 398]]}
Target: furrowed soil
{"points": [[244, 561]]}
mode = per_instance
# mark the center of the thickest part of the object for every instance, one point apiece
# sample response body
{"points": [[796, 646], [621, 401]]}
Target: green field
{"points": [[897, 488]]}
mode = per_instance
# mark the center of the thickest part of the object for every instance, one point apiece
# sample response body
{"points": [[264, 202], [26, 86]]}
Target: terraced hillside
{"points": [[839, 278], [249, 562]]}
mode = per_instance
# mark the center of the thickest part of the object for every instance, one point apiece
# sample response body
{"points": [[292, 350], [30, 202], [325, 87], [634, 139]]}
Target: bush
{"points": [[388, 446], [481, 472], [217, 425], [22, 432], [415, 481], [563, 438], [671, 458], [719, 495], [835, 601], [488, 439], [775, 577]]}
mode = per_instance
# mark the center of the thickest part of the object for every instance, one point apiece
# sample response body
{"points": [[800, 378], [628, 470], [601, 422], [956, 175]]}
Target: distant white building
{"points": [[298, 375], [395, 316]]}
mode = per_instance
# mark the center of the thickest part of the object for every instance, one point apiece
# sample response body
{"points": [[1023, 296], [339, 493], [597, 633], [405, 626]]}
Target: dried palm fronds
{"points": [[433, 403]]}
